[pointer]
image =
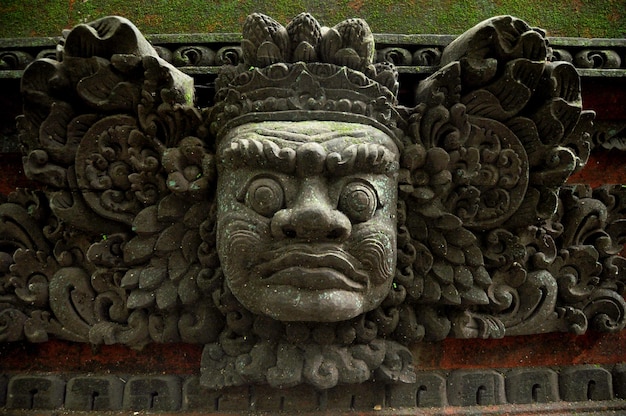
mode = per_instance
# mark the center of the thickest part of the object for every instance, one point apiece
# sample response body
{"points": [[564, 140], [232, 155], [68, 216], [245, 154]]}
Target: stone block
{"points": [[234, 399], [475, 387], [156, 393], [532, 385], [94, 393], [35, 392], [364, 396], [585, 382], [619, 381], [197, 397], [301, 398], [429, 390]]}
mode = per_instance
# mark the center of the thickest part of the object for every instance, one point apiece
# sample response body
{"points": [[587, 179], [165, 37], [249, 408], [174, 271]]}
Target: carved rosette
{"points": [[120, 245]]}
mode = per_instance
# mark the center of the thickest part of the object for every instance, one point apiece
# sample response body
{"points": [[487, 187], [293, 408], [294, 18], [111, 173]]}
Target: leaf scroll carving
{"points": [[449, 218]]}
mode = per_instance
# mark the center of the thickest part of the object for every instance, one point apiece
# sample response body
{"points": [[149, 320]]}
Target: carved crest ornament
{"points": [[304, 226]]}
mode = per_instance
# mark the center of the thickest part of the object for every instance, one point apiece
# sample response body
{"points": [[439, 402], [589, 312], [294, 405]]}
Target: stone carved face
{"points": [[306, 218]]}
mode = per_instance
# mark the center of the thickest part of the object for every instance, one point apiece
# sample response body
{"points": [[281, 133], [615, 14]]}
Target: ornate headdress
{"points": [[305, 72]]}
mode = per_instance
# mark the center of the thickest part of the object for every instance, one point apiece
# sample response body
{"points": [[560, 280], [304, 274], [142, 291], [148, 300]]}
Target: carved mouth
{"points": [[325, 269], [318, 278]]}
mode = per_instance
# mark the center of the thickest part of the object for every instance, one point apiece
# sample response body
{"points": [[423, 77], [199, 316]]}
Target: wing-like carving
{"points": [[498, 131], [111, 128]]}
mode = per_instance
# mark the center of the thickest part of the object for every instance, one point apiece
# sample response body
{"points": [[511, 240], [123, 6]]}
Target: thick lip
{"points": [[318, 278], [329, 266]]}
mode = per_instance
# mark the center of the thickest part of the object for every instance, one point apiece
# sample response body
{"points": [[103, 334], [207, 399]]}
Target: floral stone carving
{"points": [[306, 226]]}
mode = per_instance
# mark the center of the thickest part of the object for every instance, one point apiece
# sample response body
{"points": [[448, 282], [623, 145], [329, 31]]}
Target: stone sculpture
{"points": [[305, 226]]}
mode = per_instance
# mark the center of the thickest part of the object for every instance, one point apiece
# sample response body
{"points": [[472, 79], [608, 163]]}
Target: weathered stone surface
{"points": [[619, 380], [4, 384], [35, 392], [156, 393], [433, 393], [234, 400], [295, 399], [471, 388], [195, 397], [582, 383], [305, 226], [356, 397], [429, 390], [94, 393], [532, 385]]}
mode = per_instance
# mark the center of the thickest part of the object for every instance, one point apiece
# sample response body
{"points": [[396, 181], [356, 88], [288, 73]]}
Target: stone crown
{"points": [[287, 73]]}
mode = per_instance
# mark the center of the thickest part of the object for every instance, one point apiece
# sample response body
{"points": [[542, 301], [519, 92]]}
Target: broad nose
{"points": [[311, 223], [311, 217]]}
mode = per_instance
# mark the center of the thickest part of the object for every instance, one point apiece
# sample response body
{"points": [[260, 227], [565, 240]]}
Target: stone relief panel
{"points": [[306, 227]]}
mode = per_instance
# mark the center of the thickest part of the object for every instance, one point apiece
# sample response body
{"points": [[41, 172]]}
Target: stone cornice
{"points": [[519, 391], [416, 54]]}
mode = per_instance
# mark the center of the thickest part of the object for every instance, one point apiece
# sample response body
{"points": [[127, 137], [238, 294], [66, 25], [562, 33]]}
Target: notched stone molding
{"points": [[569, 389], [306, 227]]}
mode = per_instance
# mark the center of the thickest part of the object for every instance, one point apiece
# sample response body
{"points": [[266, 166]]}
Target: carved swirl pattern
{"points": [[121, 245]]}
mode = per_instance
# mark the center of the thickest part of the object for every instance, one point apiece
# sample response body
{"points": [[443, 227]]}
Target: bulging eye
{"points": [[358, 201], [265, 196]]}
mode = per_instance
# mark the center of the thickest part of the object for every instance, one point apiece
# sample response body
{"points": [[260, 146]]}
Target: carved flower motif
{"points": [[190, 168]]}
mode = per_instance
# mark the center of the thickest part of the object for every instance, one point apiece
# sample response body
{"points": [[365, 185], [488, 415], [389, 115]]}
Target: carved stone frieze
{"points": [[495, 391], [306, 227]]}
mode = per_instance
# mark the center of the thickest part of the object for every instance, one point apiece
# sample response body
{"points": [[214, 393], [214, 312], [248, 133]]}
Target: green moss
{"points": [[600, 18]]}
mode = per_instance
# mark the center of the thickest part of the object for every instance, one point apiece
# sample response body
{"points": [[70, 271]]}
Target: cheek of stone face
{"points": [[374, 244], [241, 239], [373, 241], [237, 246]]}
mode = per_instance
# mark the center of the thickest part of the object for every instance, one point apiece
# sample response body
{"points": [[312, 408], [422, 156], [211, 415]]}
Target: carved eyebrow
{"points": [[258, 154], [309, 158], [363, 157], [322, 136]]}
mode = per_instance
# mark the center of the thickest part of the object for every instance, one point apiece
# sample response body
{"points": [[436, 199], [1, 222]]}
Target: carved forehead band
{"points": [[308, 158]]}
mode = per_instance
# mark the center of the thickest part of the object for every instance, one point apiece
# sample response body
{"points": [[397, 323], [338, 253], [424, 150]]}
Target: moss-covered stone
{"points": [[600, 18]]}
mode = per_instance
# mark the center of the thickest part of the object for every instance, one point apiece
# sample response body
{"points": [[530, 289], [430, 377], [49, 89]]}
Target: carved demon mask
{"points": [[306, 225]]}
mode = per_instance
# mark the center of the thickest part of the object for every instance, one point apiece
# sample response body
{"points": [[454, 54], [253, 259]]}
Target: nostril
{"points": [[289, 232], [310, 224], [335, 234]]}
